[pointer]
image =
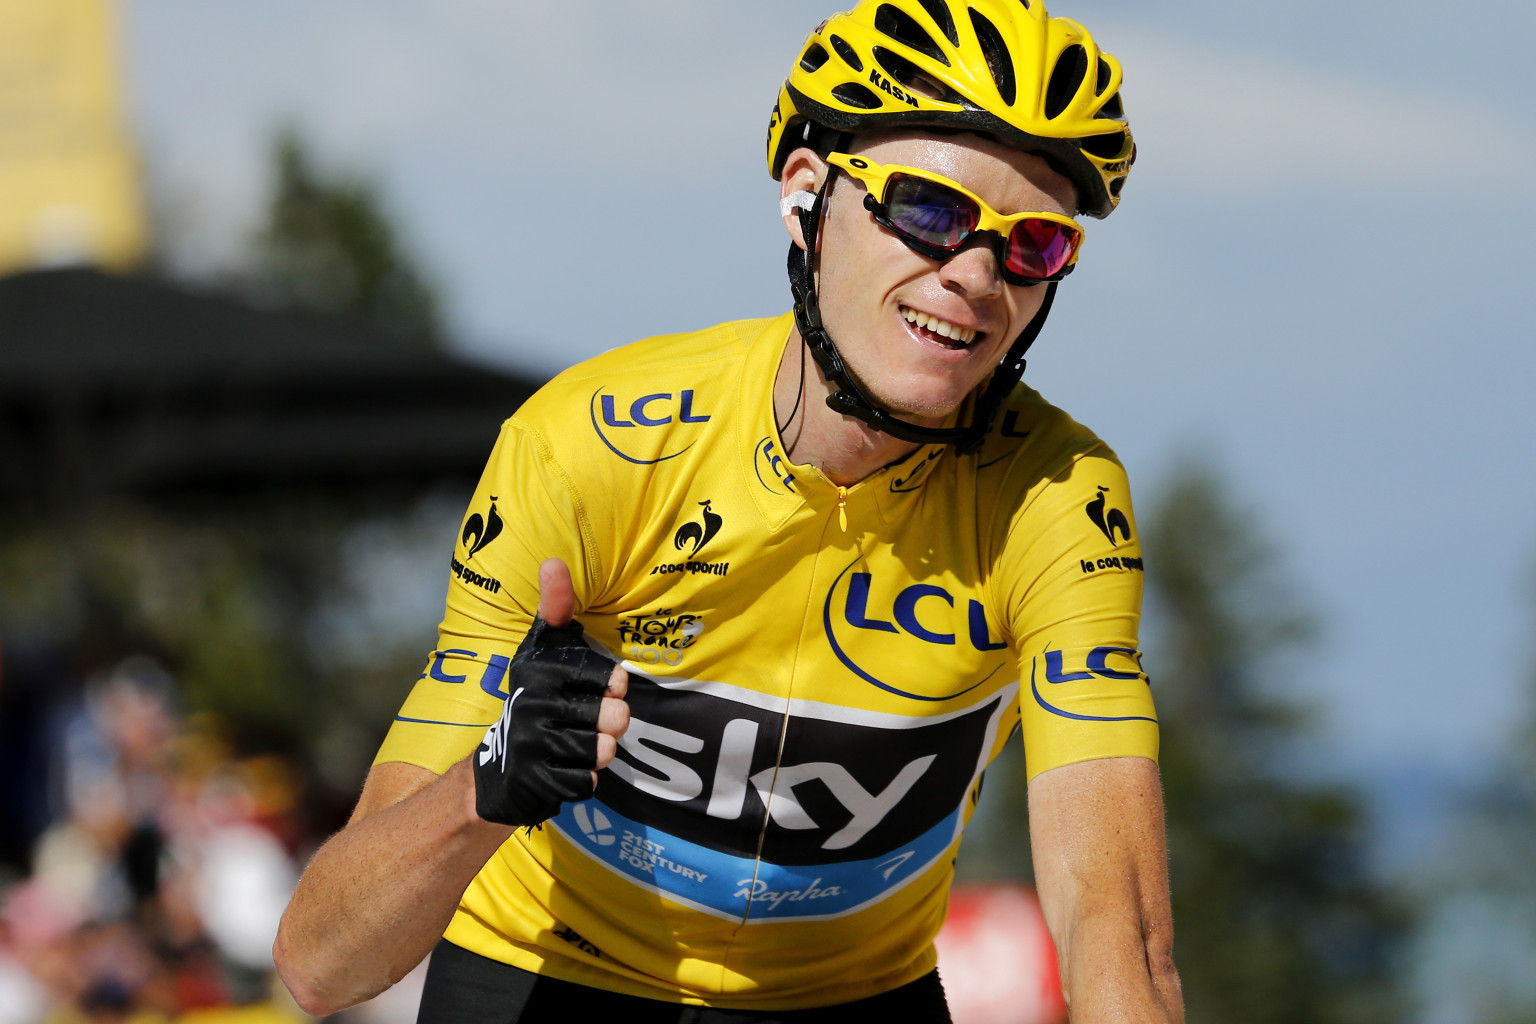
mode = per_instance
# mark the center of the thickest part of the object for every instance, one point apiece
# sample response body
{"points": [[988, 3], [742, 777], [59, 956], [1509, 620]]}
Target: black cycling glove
{"points": [[543, 749]]}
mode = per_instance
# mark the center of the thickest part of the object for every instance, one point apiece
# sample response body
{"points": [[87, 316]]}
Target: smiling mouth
{"points": [[941, 332]]}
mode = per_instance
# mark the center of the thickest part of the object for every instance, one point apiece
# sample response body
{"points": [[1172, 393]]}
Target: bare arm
{"points": [[377, 896], [1101, 867]]}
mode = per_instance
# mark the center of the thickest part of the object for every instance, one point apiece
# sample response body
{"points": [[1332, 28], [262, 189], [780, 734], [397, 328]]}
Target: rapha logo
{"points": [[699, 534], [480, 531], [1108, 520]]}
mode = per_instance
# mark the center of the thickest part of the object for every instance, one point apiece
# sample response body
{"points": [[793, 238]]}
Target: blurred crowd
{"points": [[147, 861]]}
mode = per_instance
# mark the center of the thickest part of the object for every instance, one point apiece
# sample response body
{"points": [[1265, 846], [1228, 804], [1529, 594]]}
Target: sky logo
{"points": [[753, 814]]}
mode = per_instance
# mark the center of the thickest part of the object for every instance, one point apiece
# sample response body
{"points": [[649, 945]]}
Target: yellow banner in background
{"points": [[69, 182]]}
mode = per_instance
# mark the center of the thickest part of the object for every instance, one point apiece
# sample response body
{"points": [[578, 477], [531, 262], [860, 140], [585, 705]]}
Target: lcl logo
{"points": [[643, 410], [771, 468], [614, 421], [924, 611]]}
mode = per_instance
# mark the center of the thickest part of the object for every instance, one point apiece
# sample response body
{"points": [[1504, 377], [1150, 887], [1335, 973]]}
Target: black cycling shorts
{"points": [[467, 988]]}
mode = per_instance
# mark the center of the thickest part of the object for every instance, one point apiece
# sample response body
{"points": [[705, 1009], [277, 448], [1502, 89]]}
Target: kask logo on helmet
{"points": [[884, 84]]}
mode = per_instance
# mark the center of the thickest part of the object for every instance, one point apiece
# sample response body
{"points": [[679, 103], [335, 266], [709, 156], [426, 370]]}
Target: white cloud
{"points": [[1226, 121]]}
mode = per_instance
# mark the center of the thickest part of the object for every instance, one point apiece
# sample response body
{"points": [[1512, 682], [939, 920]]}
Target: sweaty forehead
{"points": [[1009, 180]]}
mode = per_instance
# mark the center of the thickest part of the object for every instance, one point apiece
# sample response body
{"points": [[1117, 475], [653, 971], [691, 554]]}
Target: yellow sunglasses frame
{"points": [[873, 176]]}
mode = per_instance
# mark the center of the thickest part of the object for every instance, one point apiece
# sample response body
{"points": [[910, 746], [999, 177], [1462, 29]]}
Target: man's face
{"points": [[872, 286]]}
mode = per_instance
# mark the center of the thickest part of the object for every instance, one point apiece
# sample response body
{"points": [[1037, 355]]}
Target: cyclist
{"points": [[825, 565]]}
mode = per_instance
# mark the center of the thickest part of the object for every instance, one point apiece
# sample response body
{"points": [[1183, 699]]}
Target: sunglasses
{"points": [[936, 217]]}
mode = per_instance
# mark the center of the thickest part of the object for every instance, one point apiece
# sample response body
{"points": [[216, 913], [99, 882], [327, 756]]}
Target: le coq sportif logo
{"points": [[479, 530], [1108, 520], [698, 533]]}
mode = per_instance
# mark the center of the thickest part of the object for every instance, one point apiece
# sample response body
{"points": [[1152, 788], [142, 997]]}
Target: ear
{"points": [[804, 171]]}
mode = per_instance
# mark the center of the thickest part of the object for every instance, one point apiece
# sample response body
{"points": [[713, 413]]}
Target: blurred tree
{"points": [[1476, 955], [1275, 917], [328, 247]]}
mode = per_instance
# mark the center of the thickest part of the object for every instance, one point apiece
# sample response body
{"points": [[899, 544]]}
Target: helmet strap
{"points": [[849, 398]]}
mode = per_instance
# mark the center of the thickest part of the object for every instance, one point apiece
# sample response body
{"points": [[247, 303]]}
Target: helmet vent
{"points": [[815, 56], [1116, 185], [1105, 147], [999, 60], [1025, 3], [900, 26], [1071, 69], [1104, 76], [855, 95], [1113, 108], [912, 78], [938, 10], [847, 53]]}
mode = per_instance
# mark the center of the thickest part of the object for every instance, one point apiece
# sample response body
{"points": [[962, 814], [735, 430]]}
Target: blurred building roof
{"points": [[121, 386]]}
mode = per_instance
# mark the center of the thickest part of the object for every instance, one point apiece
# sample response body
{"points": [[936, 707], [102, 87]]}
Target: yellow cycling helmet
{"points": [[1005, 68]]}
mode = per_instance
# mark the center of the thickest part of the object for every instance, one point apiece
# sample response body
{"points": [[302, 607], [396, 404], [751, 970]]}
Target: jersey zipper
{"points": [[842, 508]]}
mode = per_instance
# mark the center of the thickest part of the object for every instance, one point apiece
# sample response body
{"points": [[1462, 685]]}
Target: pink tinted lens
{"points": [[1040, 248]]}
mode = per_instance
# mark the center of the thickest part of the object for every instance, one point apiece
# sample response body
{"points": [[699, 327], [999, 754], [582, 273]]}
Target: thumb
{"points": [[557, 597]]}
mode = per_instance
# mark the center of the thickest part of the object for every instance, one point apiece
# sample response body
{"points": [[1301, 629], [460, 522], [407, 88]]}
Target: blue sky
{"points": [[1315, 278]]}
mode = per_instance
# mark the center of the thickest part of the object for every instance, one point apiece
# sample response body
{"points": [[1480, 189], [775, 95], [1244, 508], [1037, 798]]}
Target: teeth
{"points": [[943, 328]]}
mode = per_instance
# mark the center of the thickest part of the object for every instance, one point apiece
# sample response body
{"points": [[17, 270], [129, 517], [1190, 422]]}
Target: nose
{"points": [[973, 271]]}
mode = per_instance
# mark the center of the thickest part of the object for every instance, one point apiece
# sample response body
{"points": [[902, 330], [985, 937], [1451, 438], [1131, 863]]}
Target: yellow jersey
{"points": [[819, 674]]}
